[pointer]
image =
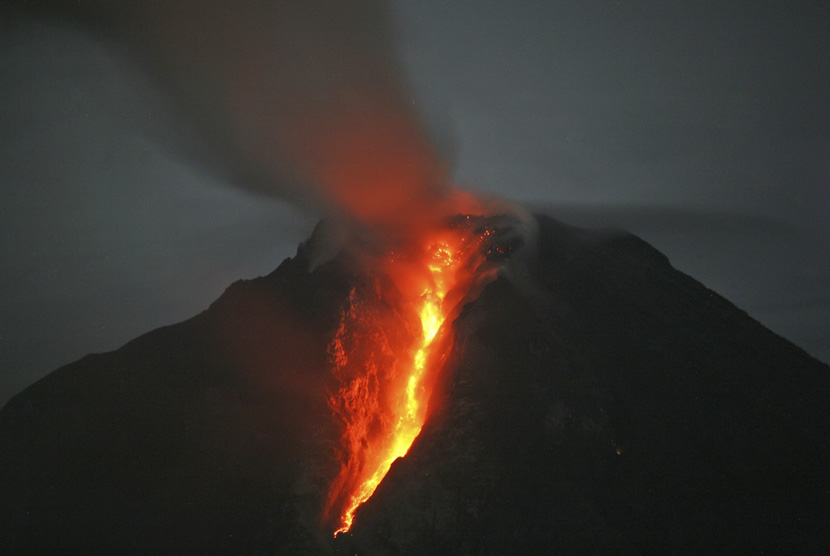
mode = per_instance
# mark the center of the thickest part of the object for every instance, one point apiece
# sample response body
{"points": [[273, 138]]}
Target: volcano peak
{"points": [[592, 399]]}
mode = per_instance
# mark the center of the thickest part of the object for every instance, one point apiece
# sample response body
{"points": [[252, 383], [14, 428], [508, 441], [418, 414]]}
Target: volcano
{"points": [[587, 398]]}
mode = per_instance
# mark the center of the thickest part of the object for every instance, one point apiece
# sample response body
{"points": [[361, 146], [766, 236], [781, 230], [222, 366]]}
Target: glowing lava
{"points": [[383, 403], [409, 421]]}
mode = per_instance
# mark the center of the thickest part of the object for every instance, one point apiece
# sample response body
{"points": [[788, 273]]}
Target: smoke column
{"points": [[306, 98]]}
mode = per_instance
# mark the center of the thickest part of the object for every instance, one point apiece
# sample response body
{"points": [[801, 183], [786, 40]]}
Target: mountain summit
{"points": [[593, 400]]}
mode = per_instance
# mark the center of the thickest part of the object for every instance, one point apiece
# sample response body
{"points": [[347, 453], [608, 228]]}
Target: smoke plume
{"points": [[306, 98]]}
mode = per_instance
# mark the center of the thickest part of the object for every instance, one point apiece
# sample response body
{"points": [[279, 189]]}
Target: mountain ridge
{"points": [[595, 399]]}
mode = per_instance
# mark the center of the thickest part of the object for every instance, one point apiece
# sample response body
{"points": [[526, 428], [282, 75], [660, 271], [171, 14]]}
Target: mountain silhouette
{"points": [[595, 401]]}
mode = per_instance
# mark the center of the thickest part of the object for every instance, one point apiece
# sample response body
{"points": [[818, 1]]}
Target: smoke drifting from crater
{"points": [[306, 99]]}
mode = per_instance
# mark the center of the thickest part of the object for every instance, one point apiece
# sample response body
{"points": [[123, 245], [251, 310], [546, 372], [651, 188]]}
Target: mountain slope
{"points": [[614, 405], [595, 400]]}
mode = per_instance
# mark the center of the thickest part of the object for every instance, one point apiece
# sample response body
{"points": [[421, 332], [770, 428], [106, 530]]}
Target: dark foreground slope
{"points": [[595, 401]]}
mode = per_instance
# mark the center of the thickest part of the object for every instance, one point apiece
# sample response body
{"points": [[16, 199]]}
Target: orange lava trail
{"points": [[443, 268]]}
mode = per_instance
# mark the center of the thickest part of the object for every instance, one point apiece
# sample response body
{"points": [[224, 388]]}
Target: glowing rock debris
{"points": [[447, 265]]}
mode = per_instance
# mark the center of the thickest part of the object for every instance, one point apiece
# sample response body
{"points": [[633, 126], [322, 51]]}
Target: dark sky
{"points": [[704, 127]]}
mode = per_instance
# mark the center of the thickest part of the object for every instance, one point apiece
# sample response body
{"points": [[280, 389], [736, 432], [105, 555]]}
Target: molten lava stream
{"points": [[445, 270]]}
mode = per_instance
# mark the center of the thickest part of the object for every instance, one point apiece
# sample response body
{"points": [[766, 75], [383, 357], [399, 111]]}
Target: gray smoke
{"points": [[304, 99]]}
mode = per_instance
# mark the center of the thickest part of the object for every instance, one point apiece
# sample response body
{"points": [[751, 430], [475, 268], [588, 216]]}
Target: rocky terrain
{"points": [[595, 400]]}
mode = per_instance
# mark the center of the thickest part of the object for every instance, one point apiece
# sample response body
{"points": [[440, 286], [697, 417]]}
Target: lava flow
{"points": [[386, 382]]}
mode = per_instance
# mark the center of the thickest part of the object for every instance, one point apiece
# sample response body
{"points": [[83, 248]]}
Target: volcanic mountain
{"points": [[590, 399]]}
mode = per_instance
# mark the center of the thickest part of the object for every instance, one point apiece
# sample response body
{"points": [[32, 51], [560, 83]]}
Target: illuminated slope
{"points": [[410, 415], [448, 262]]}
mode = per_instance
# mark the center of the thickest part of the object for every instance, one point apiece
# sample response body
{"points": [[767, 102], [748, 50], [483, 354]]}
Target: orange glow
{"points": [[446, 264]]}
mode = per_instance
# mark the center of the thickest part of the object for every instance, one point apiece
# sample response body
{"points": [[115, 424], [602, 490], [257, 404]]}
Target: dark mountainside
{"points": [[595, 401]]}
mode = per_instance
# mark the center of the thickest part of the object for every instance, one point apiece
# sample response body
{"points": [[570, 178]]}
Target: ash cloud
{"points": [[305, 99]]}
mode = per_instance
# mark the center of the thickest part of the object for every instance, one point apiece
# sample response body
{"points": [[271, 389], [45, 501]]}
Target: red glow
{"points": [[383, 410]]}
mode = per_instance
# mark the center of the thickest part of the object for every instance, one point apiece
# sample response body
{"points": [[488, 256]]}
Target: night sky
{"points": [[703, 127]]}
